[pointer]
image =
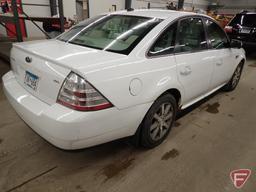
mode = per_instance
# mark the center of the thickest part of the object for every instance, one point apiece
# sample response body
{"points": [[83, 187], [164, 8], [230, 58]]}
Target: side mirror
{"points": [[236, 44]]}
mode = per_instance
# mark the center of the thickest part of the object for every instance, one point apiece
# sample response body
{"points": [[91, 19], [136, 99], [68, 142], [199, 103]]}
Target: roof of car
{"points": [[157, 13]]}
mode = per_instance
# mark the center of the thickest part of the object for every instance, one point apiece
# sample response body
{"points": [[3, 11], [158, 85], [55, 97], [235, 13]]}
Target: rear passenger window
{"points": [[191, 35], [216, 35], [165, 43]]}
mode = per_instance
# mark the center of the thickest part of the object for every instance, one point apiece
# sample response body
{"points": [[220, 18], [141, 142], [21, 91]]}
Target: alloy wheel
{"points": [[236, 76], [161, 121]]}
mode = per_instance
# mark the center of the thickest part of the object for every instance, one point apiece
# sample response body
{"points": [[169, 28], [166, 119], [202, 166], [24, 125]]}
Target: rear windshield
{"points": [[115, 33], [247, 20]]}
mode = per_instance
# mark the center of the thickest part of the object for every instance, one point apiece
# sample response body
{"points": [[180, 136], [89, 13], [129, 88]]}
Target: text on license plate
{"points": [[31, 80], [245, 31]]}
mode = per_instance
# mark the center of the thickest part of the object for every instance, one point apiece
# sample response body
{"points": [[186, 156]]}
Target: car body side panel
{"points": [[239, 56], [223, 66], [155, 76], [195, 73]]}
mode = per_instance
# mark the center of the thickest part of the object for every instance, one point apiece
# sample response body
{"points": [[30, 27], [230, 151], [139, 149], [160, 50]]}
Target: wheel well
{"points": [[175, 93], [242, 61]]}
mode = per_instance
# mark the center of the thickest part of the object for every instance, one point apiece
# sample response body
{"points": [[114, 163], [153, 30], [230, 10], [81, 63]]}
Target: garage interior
{"points": [[207, 142]]}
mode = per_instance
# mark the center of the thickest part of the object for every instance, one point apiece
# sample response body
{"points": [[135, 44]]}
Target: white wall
{"points": [[97, 7], [198, 4], [36, 11], [235, 6], [188, 4], [102, 6], [154, 4], [69, 7]]}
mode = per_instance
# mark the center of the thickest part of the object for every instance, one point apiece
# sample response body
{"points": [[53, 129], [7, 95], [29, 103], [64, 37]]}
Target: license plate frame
{"points": [[245, 31], [31, 80]]}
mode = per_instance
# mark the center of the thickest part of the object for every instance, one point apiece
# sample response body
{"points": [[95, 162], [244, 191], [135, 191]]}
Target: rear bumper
{"points": [[69, 129]]}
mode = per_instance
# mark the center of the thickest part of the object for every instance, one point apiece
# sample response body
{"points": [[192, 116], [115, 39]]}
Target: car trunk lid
{"points": [[42, 66]]}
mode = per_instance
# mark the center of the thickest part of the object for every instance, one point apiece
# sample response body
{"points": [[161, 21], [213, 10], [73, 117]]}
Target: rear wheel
{"points": [[232, 84], [158, 121]]}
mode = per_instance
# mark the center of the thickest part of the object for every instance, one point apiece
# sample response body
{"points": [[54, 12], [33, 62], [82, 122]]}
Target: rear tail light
{"points": [[76, 93], [228, 29]]}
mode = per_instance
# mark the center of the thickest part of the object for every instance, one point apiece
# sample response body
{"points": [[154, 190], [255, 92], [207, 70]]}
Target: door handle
{"points": [[186, 71]]}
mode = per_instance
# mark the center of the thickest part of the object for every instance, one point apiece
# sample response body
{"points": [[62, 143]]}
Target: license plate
{"points": [[245, 31], [31, 80]]}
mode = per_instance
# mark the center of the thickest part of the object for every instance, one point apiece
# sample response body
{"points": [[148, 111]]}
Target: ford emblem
{"points": [[28, 59]]}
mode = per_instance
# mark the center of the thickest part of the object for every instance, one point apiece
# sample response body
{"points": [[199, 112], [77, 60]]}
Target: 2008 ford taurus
{"points": [[121, 74]]}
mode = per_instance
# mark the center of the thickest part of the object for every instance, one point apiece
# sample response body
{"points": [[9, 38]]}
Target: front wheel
{"points": [[232, 84], [158, 121]]}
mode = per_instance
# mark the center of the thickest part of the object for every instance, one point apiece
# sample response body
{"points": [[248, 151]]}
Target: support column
{"points": [[61, 13], [16, 21], [53, 7], [128, 4], [180, 4]]}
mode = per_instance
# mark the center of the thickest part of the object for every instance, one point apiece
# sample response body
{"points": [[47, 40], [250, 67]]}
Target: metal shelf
{"points": [[15, 17]]}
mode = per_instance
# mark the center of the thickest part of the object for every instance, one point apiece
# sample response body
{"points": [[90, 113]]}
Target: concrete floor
{"points": [[207, 142]]}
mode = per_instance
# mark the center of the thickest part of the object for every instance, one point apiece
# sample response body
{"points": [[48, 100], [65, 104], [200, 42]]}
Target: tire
{"points": [[158, 121], [232, 84]]}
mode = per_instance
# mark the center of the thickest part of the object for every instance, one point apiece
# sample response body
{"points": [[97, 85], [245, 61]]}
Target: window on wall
{"points": [[166, 42], [191, 35], [216, 35]]}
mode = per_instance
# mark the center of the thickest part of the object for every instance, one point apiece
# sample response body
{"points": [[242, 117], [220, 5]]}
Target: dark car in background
{"points": [[243, 27]]}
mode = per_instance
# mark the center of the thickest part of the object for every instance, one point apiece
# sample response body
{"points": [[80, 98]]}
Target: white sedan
{"points": [[122, 74]]}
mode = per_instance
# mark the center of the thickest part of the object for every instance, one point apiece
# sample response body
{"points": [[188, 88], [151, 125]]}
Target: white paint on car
{"points": [[127, 84]]}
